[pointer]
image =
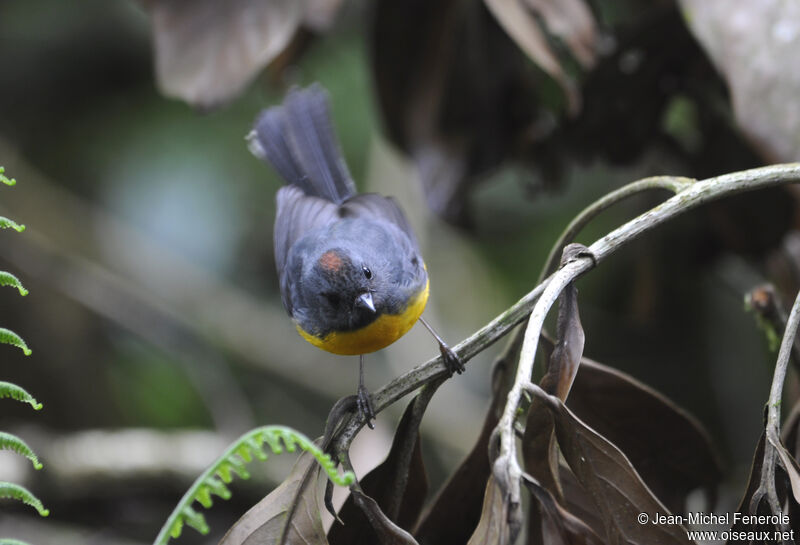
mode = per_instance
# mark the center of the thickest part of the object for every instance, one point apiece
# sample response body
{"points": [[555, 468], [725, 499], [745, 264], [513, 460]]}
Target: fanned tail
{"points": [[297, 138]]}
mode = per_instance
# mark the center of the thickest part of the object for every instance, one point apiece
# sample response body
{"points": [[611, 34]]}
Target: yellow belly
{"points": [[379, 334]]}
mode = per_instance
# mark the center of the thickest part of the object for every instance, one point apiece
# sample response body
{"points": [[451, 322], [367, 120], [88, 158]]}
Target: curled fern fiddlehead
{"points": [[214, 480], [6, 223], [15, 392], [7, 181], [9, 337], [17, 492], [13, 443], [8, 279], [7, 440]]}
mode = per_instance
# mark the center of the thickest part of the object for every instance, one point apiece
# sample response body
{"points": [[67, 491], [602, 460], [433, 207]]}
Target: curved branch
{"points": [[779, 376], [671, 183], [688, 197]]}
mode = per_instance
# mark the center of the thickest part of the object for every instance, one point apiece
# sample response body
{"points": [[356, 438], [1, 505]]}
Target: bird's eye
{"points": [[332, 297], [367, 272]]}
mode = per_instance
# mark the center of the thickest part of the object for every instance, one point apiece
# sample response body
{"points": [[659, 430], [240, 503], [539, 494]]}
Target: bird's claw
{"points": [[364, 406], [451, 360]]}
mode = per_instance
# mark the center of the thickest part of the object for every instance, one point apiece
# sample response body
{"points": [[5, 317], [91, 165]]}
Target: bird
{"points": [[351, 275]]}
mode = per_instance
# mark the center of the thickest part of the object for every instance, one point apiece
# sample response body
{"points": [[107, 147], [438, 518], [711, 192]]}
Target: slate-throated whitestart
{"points": [[351, 274]]}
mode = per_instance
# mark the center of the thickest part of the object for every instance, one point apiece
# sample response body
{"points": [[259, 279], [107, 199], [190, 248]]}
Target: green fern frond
{"points": [[5, 180], [6, 541], [15, 392], [6, 223], [213, 481], [17, 492], [8, 279], [13, 443], [9, 337]]}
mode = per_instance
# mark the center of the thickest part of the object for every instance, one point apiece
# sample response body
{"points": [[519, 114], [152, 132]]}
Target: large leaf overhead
{"points": [[571, 20], [206, 51], [756, 47]]}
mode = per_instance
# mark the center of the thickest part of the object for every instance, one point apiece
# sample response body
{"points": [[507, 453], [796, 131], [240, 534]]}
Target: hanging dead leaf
{"points": [[554, 525], [756, 47], [566, 357], [289, 515], [206, 51], [617, 491], [791, 437], [398, 485], [539, 451], [674, 457], [791, 468], [454, 513], [388, 533], [500, 520], [578, 502], [538, 448], [747, 506]]}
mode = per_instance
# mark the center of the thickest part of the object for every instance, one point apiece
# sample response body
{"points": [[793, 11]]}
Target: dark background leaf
{"points": [[453, 515], [398, 486], [289, 515], [668, 447], [500, 522], [616, 489]]}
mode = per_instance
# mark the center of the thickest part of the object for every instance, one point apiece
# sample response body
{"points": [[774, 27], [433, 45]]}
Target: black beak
{"points": [[365, 300]]}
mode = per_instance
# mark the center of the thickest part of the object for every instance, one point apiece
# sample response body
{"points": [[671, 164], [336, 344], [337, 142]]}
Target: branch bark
{"points": [[688, 196]]}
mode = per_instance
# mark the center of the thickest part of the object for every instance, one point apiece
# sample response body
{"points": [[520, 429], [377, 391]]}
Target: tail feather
{"points": [[297, 138], [267, 141]]}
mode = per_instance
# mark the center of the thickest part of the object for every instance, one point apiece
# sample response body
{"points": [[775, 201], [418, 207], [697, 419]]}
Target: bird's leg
{"points": [[451, 360], [363, 397]]}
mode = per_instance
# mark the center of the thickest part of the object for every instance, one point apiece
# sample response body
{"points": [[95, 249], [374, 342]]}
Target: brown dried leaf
{"points": [[206, 51], [578, 502], [674, 457], [791, 468], [566, 357], [289, 515], [617, 491], [454, 514], [539, 451], [553, 524], [538, 448], [756, 47], [753, 483], [790, 435], [500, 520], [399, 485], [387, 531]]}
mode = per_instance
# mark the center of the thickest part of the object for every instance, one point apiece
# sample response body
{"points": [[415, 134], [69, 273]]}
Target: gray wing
{"points": [[372, 205], [297, 214]]}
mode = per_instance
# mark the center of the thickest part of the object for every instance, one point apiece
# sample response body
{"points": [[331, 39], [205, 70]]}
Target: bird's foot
{"points": [[451, 360], [364, 406]]}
